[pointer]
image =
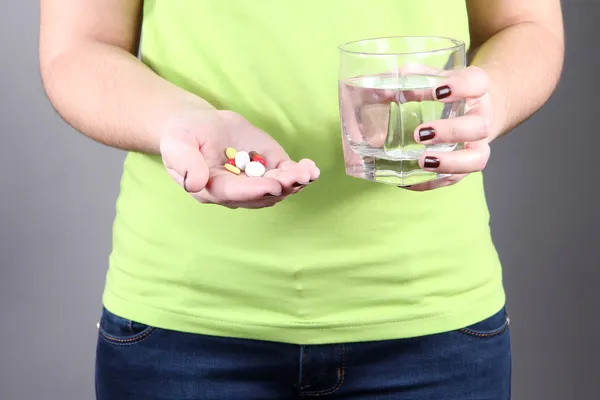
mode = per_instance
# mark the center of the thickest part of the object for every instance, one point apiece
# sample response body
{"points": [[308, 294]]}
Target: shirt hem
{"points": [[307, 333]]}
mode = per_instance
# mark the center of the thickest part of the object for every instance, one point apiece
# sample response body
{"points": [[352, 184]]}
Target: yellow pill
{"points": [[230, 153], [232, 168]]}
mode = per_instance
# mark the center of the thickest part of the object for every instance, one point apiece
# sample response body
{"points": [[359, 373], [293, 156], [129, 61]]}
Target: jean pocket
{"points": [[489, 327], [122, 331]]}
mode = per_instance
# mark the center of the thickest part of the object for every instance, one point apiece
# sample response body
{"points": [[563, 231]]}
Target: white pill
{"points": [[255, 168], [242, 158]]}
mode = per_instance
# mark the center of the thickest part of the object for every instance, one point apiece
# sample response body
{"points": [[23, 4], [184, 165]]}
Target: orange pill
{"points": [[260, 159]]}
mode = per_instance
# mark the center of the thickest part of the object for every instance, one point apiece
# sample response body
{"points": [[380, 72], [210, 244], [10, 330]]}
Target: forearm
{"points": [[524, 63], [110, 96]]}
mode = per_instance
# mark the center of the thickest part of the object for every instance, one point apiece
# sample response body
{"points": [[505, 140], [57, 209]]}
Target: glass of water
{"points": [[386, 88]]}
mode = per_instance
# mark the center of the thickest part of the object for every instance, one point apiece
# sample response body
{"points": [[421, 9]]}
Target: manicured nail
{"points": [[296, 184], [431, 162], [442, 92], [426, 134], [184, 181], [271, 195]]}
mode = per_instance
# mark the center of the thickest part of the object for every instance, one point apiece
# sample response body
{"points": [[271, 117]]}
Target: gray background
{"points": [[57, 204]]}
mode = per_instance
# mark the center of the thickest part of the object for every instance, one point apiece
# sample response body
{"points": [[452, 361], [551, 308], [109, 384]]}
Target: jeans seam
{"points": [[339, 383], [125, 342], [486, 335]]}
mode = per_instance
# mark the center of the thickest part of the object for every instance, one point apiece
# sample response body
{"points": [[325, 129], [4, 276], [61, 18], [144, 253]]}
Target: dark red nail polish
{"points": [[442, 92], [431, 162], [184, 181], [426, 134]]}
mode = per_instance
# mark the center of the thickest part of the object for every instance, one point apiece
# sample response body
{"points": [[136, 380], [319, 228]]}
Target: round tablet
{"points": [[254, 168]]}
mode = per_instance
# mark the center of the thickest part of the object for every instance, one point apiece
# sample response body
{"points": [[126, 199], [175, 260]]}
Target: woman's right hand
{"points": [[193, 151]]}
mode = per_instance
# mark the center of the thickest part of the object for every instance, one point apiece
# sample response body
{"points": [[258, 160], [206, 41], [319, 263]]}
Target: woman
{"points": [[349, 289]]}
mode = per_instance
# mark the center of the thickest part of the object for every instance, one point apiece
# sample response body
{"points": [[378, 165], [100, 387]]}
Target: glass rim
{"points": [[456, 45]]}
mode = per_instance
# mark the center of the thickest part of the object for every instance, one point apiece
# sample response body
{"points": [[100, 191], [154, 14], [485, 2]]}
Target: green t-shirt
{"points": [[346, 259]]}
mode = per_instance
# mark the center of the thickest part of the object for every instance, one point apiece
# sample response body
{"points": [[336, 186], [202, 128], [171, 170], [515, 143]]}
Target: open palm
{"points": [[192, 149]]}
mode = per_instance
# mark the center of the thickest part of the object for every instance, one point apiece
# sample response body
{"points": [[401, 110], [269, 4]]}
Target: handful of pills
{"points": [[252, 163]]}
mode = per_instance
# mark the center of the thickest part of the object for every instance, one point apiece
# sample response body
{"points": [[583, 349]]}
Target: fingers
{"points": [[292, 176], [469, 128], [240, 191], [253, 205], [473, 158], [265, 202], [314, 171], [425, 186], [473, 126], [469, 83], [472, 82], [181, 156], [225, 187]]}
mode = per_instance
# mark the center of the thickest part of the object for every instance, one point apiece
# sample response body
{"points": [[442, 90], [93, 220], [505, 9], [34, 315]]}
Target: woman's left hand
{"points": [[474, 129]]}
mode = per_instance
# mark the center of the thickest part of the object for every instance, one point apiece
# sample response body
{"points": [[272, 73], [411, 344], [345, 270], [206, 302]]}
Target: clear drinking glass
{"points": [[386, 90]]}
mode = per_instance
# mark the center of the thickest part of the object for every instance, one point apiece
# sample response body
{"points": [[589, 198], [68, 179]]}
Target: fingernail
{"points": [[184, 181], [426, 134], [431, 162], [296, 184], [442, 92], [271, 195]]}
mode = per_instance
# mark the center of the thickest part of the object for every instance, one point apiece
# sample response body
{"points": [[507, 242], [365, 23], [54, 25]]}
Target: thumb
{"points": [[183, 160]]}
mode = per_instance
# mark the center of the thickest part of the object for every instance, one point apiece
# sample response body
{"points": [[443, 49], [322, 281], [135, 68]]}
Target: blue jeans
{"points": [[135, 361]]}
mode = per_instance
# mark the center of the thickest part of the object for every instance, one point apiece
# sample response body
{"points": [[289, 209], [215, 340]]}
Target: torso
{"points": [[345, 260]]}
